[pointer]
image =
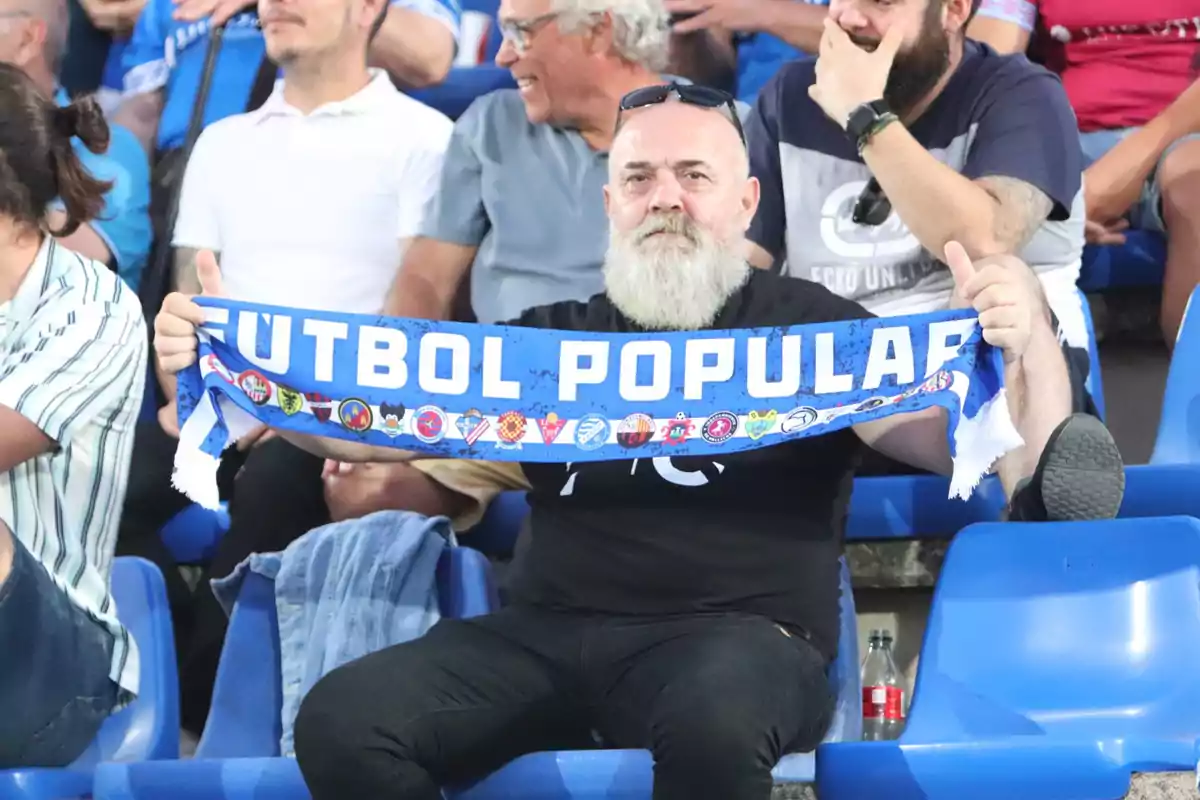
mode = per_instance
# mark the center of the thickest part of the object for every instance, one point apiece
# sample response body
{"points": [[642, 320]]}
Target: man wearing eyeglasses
{"points": [[904, 135]]}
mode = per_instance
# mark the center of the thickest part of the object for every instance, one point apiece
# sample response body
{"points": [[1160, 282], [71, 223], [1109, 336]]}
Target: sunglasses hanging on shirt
{"points": [[872, 206]]}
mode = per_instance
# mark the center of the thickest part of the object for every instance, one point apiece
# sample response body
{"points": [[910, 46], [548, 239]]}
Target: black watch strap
{"points": [[866, 119]]}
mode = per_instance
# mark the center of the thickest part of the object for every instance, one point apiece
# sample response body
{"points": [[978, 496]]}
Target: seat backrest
{"points": [[917, 507], [149, 727], [1140, 261], [496, 534], [1077, 628], [1095, 383], [844, 672], [245, 720], [1178, 439]]}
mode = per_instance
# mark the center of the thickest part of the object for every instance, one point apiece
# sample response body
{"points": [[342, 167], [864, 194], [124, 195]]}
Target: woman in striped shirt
{"points": [[72, 367]]}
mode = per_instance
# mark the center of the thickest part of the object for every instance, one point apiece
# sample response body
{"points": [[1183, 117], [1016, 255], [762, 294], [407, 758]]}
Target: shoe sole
{"points": [[1083, 476]]}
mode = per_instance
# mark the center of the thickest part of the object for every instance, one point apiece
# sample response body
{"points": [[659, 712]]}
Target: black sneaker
{"points": [[1080, 476]]}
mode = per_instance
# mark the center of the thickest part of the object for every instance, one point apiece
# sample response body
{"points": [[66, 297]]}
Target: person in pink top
{"points": [[1130, 71]]}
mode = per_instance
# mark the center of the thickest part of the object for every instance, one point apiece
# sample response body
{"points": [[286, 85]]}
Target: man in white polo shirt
{"points": [[72, 367], [308, 202]]}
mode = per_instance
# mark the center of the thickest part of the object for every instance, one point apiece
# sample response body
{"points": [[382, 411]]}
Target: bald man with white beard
{"points": [[705, 610]]}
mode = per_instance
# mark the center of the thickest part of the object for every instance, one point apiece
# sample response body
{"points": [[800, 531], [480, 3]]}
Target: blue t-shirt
{"points": [[169, 55], [997, 116], [760, 56], [124, 224]]}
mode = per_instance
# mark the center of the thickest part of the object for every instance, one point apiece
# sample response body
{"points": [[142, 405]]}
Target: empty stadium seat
{"points": [[1161, 490], [1059, 658], [1095, 381], [1141, 261], [237, 758], [191, 536], [889, 507], [148, 728], [628, 774], [1178, 440]]}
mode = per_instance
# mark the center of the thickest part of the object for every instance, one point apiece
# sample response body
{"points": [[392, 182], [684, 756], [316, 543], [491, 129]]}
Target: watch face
{"points": [[860, 119]]}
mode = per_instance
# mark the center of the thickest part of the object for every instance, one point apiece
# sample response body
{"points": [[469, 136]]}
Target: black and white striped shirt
{"points": [[73, 362]]}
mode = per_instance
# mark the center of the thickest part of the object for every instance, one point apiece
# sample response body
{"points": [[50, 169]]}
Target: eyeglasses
{"points": [[872, 206], [702, 96], [518, 31]]}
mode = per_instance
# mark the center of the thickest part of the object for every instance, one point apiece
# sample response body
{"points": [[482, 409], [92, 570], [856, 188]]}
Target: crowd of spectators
{"points": [[275, 143]]}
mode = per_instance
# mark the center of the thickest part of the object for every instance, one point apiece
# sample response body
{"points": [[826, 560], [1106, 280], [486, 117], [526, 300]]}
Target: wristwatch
{"points": [[867, 120]]}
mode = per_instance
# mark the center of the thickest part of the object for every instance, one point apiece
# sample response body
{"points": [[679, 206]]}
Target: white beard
{"points": [[672, 282]]}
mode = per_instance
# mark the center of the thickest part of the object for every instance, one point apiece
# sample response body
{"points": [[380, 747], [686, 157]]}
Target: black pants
{"points": [[717, 699], [275, 497]]}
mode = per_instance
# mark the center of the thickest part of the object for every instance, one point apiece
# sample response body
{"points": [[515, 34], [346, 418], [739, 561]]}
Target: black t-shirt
{"points": [[758, 532]]}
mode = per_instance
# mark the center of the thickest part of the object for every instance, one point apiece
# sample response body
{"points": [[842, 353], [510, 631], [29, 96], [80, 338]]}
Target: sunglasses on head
{"points": [[702, 96], [872, 206]]}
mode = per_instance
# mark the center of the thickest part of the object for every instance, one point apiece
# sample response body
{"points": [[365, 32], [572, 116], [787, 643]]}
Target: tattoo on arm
{"points": [[1022, 210], [183, 275]]}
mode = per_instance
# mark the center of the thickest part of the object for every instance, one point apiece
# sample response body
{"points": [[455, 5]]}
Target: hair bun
{"points": [[66, 120], [83, 118]]}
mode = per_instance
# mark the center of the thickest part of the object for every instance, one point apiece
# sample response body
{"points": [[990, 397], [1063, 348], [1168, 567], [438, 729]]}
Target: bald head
{"points": [[679, 200], [36, 37], [681, 127]]}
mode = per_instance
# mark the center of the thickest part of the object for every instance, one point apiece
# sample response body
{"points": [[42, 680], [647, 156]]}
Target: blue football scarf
{"points": [[518, 394]]}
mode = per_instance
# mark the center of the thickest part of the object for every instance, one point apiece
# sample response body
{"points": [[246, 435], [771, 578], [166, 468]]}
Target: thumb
{"points": [[209, 274], [890, 44], [961, 268]]}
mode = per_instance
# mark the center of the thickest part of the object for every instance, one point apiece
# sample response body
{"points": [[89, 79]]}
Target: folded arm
{"points": [[416, 49], [990, 215]]}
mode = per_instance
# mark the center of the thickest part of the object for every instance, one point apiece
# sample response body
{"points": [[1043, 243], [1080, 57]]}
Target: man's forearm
{"points": [[705, 57], [166, 381], [936, 203], [415, 49], [799, 24], [84, 241], [415, 297], [1038, 387]]}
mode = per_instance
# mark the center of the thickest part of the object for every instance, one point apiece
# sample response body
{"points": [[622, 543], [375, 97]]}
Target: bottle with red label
{"points": [[883, 692]]}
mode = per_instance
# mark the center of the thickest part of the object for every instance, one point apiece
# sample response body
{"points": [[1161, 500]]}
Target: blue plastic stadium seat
{"points": [[1178, 439], [149, 409], [1059, 658], [917, 507], [1141, 261], [496, 533], [464, 84], [238, 756], [147, 729], [1161, 490], [1095, 382], [191, 536], [628, 774], [891, 507]]}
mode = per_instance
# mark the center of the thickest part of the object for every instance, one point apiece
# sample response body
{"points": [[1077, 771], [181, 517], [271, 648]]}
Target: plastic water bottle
{"points": [[883, 694]]}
